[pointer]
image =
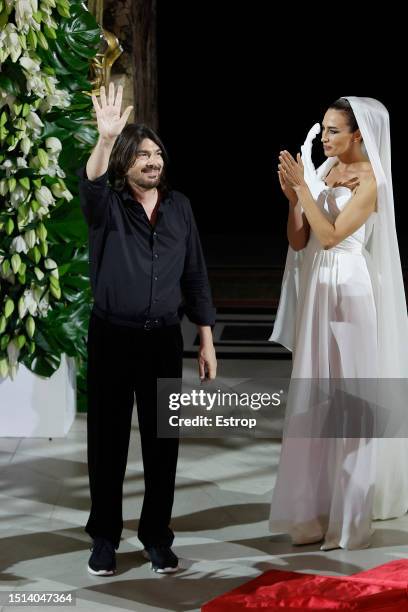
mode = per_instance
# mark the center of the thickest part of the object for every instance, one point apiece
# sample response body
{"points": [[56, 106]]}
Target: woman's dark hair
{"points": [[342, 104], [124, 154]]}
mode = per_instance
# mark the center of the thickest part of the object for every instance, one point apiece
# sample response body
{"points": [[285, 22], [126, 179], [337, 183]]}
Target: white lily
{"points": [[35, 84], [30, 238], [30, 301], [24, 14], [22, 307], [8, 166], [18, 245], [18, 196], [44, 305], [3, 187], [50, 264], [44, 196], [6, 99], [39, 273], [60, 98], [51, 84], [29, 64], [34, 121], [50, 170], [12, 43], [53, 144], [37, 293], [25, 145], [60, 192], [13, 352], [43, 212], [21, 162]]}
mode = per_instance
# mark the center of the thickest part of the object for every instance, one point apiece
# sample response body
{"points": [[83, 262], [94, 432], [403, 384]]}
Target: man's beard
{"points": [[148, 183]]}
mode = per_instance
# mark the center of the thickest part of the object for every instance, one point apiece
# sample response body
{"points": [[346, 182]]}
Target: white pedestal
{"points": [[35, 406]]}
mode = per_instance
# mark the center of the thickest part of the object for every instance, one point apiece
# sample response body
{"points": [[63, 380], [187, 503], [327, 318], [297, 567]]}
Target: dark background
{"points": [[239, 83]]}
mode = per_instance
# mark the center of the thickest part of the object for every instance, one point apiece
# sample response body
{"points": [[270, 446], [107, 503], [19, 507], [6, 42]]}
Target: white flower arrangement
{"points": [[24, 200]]}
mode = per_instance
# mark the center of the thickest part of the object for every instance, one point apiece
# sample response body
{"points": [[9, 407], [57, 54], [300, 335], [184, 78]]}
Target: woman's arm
{"points": [[298, 228], [354, 215]]}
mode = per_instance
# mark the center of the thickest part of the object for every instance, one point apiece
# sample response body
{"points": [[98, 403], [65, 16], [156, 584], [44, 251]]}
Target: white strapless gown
{"points": [[331, 488]]}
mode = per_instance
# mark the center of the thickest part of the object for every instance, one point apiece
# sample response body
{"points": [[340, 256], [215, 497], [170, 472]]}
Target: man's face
{"points": [[148, 165]]}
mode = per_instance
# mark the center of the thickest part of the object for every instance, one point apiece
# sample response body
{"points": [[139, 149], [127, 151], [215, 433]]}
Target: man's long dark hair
{"points": [[124, 154]]}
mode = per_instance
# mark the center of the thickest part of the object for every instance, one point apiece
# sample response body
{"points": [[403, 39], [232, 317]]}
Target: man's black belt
{"points": [[141, 323]]}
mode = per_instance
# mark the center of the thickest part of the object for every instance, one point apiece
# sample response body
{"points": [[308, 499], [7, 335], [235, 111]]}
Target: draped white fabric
{"points": [[342, 312]]}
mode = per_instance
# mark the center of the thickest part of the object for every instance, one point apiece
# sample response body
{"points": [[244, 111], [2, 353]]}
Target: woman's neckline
{"points": [[375, 212]]}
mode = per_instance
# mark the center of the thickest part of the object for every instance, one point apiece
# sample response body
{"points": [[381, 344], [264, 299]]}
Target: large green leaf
{"points": [[44, 364], [53, 129], [8, 85], [71, 59], [80, 33]]}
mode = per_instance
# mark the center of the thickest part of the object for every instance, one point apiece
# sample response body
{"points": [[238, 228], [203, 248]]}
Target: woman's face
{"points": [[337, 138]]}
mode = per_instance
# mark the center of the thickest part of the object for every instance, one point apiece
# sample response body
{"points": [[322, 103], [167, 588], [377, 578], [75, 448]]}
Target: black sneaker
{"points": [[102, 562], [163, 559]]}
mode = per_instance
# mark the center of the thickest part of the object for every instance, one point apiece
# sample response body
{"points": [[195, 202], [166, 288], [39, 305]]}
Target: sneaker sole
{"points": [[100, 572], [164, 570]]}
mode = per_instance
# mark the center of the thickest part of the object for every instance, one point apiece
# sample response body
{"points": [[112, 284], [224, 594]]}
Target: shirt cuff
{"points": [[202, 316]]}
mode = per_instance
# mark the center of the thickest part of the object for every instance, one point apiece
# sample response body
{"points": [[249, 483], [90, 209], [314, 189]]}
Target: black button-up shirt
{"points": [[140, 271]]}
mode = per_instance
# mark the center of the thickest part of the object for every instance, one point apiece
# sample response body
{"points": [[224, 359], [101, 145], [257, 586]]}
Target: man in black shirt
{"points": [[145, 257]]}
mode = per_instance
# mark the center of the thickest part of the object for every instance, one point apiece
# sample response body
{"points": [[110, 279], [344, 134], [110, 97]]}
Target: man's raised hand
{"points": [[108, 112]]}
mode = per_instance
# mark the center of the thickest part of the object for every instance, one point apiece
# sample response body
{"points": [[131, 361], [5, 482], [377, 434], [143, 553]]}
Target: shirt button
{"points": [[155, 234], [155, 278], [156, 255]]}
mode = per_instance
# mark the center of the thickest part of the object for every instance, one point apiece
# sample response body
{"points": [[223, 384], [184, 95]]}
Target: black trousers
{"points": [[123, 361]]}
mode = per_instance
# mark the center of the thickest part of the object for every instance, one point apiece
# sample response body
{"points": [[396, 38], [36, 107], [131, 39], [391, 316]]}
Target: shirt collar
{"points": [[127, 196]]}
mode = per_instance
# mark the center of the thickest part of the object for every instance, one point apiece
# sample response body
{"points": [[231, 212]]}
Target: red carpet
{"points": [[382, 589]]}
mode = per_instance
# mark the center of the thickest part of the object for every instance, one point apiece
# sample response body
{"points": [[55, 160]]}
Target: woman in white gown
{"points": [[342, 312]]}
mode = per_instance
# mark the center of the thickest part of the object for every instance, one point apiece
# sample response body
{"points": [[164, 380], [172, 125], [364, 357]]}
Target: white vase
{"points": [[35, 406]]}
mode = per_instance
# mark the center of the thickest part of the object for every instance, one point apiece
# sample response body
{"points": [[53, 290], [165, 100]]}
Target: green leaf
{"points": [[8, 85], [25, 182], [81, 33], [52, 129], [32, 39], [45, 364], [42, 41], [70, 58], [49, 32], [3, 19]]}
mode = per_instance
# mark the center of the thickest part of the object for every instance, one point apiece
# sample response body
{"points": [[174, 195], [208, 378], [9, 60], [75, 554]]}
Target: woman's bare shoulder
{"points": [[366, 172]]}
